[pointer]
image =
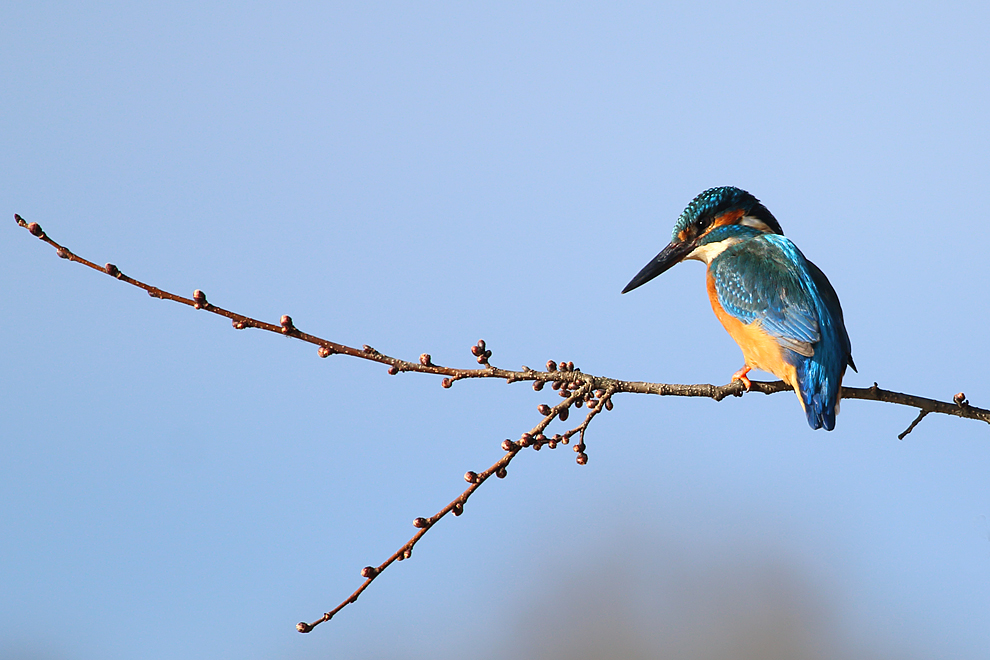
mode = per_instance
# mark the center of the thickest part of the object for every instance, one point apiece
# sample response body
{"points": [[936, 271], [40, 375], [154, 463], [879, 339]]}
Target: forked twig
{"points": [[577, 389]]}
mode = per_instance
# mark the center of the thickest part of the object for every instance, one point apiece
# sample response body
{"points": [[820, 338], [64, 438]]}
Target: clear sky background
{"points": [[417, 176]]}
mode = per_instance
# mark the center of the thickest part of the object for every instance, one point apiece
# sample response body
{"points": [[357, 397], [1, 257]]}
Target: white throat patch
{"points": [[709, 251]]}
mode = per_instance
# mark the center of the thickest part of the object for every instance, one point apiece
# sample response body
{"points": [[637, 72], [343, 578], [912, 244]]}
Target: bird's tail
{"points": [[819, 394]]}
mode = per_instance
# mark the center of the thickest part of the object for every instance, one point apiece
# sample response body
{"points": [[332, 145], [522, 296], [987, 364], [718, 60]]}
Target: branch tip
{"points": [[917, 420]]}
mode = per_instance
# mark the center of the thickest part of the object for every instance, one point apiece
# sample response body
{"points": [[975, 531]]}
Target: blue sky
{"points": [[416, 178]]}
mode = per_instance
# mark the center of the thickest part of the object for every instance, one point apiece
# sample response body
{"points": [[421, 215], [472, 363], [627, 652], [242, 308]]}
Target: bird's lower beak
{"points": [[670, 255]]}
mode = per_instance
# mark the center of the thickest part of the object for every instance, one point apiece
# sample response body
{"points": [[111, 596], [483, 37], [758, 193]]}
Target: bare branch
{"points": [[577, 389]]}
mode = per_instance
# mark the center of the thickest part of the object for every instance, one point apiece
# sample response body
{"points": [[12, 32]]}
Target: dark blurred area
{"points": [[668, 604]]}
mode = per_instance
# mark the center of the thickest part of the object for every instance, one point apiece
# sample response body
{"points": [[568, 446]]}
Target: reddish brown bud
{"points": [[608, 404], [238, 325], [471, 477], [481, 343], [563, 414], [582, 459], [303, 627], [537, 446], [199, 299], [551, 443], [458, 508], [538, 385], [407, 554], [578, 403], [35, 229], [525, 440], [286, 323], [543, 409], [369, 572], [446, 383], [111, 270], [426, 360], [487, 354], [960, 399], [579, 447], [421, 523], [556, 385], [62, 253], [393, 370], [501, 473], [570, 366], [323, 351], [367, 349], [509, 445], [551, 365], [477, 350]]}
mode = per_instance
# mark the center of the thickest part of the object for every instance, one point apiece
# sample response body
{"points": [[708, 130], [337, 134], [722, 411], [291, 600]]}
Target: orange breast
{"points": [[760, 350]]}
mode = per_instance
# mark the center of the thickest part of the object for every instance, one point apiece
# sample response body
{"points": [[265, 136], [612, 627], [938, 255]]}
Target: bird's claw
{"points": [[741, 377]]}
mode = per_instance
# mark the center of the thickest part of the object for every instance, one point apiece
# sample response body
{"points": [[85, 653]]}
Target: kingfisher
{"points": [[778, 306]]}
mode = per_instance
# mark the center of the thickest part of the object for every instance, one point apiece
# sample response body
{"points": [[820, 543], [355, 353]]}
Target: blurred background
{"points": [[417, 176]]}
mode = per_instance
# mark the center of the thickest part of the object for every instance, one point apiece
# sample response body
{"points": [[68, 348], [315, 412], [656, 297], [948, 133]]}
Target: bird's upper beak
{"points": [[670, 255]]}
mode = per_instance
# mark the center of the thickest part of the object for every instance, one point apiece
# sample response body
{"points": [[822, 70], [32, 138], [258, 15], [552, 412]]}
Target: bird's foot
{"points": [[741, 376]]}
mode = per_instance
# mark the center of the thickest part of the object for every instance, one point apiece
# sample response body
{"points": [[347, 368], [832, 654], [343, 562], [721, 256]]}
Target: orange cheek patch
{"points": [[730, 218]]}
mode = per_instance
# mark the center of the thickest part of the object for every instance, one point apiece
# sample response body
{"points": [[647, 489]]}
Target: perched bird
{"points": [[777, 305]]}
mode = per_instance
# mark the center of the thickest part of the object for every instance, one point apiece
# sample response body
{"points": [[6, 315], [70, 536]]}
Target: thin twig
{"points": [[916, 421], [475, 479]]}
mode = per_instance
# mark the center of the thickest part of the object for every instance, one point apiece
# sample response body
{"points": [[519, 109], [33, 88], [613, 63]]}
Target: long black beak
{"points": [[669, 256]]}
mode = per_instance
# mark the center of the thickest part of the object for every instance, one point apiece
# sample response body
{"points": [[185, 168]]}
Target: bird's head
{"points": [[714, 220]]}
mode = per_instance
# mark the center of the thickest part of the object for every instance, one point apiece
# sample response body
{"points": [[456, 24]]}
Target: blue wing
{"points": [[767, 279]]}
